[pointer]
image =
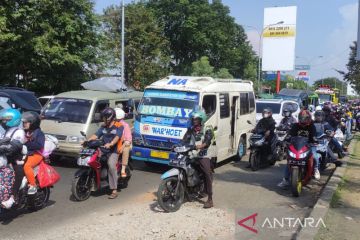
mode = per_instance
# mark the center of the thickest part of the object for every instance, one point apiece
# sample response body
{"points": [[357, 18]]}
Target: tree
{"points": [[203, 68], [353, 67], [146, 49], [199, 28], [46, 45], [333, 82]]}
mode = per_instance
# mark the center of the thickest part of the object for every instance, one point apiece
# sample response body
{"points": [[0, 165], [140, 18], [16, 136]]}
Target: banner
{"points": [[278, 35]]}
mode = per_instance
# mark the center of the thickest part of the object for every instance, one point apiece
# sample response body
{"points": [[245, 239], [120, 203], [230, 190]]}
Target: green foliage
{"points": [[47, 45], [203, 68], [353, 66], [146, 49], [333, 82], [199, 28]]}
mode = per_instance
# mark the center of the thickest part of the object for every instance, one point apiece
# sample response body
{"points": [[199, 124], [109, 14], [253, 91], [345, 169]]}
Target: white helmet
{"points": [[120, 114], [318, 108]]}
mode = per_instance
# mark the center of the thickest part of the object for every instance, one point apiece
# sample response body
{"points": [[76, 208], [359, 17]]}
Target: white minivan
{"points": [[163, 115], [277, 106]]}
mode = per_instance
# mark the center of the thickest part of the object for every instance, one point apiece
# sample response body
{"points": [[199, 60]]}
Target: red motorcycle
{"points": [[93, 173], [300, 163]]}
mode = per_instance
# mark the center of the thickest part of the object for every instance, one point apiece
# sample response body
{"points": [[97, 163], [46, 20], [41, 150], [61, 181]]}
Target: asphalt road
{"points": [[236, 189]]}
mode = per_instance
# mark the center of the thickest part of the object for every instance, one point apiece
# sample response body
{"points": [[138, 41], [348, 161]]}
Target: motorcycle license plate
{"points": [[159, 154], [297, 163]]}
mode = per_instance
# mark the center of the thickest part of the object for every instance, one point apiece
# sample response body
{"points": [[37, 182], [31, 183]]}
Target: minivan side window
{"points": [[209, 104], [224, 105], [100, 106], [244, 103], [129, 110], [252, 101]]}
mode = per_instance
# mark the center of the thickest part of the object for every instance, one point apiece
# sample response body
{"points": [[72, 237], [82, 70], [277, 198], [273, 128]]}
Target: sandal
{"points": [[123, 174], [113, 195]]}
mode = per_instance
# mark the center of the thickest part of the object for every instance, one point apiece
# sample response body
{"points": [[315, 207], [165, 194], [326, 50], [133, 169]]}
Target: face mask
{"points": [[266, 115]]}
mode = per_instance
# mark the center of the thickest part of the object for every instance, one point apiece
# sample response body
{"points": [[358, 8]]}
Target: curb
{"points": [[323, 203]]}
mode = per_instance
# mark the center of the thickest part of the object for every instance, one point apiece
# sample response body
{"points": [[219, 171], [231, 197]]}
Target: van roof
{"points": [[203, 84], [275, 100], [99, 95]]}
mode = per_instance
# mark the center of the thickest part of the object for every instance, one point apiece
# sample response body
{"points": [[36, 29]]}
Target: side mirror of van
{"points": [[97, 117], [83, 134], [249, 122]]}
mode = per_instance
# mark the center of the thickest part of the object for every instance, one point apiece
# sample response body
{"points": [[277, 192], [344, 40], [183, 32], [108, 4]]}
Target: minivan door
{"points": [[234, 122], [223, 135]]}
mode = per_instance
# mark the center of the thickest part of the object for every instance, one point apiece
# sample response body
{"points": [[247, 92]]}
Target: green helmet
{"points": [[199, 113]]}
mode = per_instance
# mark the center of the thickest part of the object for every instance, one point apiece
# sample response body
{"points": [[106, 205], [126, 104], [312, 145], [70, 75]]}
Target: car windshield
{"points": [[67, 110], [324, 97], [168, 103], [275, 107]]}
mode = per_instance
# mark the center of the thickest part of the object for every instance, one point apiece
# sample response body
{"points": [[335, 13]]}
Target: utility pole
{"points": [[122, 42]]}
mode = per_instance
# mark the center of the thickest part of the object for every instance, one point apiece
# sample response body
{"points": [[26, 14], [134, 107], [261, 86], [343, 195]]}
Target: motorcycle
{"points": [[39, 200], [185, 179], [322, 148], [300, 162], [93, 173], [259, 154], [281, 136], [357, 121]]}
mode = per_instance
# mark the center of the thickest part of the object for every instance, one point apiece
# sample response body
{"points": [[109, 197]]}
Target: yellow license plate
{"points": [[158, 154]]}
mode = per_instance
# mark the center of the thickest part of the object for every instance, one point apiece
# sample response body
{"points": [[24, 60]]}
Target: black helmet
{"points": [[319, 116], [33, 118], [267, 111], [108, 114], [287, 112]]}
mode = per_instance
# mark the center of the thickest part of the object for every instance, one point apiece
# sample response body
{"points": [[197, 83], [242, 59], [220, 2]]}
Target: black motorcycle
{"points": [[185, 179], [260, 150]]}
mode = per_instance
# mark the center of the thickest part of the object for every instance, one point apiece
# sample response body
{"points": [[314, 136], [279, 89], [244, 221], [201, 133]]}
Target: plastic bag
{"points": [[50, 145], [47, 176], [107, 84]]}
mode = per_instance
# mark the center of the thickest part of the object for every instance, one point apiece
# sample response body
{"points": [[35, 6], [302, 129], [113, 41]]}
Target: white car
{"points": [[277, 106]]}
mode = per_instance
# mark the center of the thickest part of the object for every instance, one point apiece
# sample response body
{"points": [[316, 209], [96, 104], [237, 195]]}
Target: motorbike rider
{"points": [[267, 126], [306, 128], [127, 140], [288, 120], [11, 121], [321, 128], [111, 135], [34, 141], [204, 138], [334, 123]]}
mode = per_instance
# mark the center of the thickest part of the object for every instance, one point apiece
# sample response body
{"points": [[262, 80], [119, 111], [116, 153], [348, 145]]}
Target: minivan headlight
{"points": [[75, 139]]}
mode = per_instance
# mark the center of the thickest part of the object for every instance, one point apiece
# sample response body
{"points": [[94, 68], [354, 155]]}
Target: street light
{"points": [[260, 48]]}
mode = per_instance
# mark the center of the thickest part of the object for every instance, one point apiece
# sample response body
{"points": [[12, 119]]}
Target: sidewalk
{"points": [[343, 218]]}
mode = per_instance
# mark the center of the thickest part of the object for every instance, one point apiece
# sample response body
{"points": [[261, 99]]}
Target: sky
{"points": [[324, 30]]}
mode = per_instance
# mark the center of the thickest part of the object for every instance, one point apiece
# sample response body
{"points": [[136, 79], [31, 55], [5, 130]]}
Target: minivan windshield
{"points": [[67, 110], [275, 107], [324, 97], [168, 103]]}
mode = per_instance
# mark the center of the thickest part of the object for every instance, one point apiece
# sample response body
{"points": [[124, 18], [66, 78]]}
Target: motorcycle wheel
{"points": [[241, 150], [296, 184], [255, 161], [39, 200], [168, 199], [80, 190]]}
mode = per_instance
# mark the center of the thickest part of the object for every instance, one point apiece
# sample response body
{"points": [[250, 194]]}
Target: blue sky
{"points": [[324, 28]]}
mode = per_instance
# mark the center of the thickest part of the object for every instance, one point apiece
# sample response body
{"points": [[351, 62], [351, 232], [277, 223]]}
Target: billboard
{"points": [[278, 35], [302, 76]]}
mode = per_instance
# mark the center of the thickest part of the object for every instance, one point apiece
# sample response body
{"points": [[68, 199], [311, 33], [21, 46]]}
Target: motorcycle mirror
{"points": [[249, 122], [82, 134]]}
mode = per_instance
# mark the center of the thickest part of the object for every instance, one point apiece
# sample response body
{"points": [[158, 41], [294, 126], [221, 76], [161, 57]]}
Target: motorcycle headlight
{"points": [[75, 139], [304, 154], [83, 161], [291, 154]]}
